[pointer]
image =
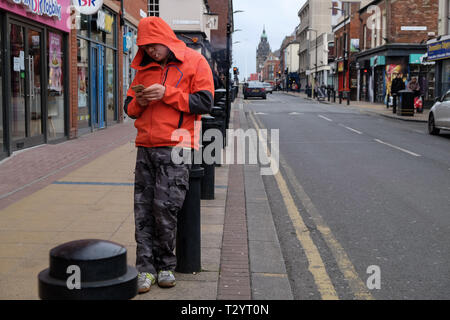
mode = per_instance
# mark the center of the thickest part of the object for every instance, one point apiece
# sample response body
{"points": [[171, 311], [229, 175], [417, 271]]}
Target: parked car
{"points": [[268, 86], [439, 117], [255, 89]]}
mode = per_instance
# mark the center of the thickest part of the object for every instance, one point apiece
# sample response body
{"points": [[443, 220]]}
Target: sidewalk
{"points": [[368, 107], [83, 189], [94, 201]]}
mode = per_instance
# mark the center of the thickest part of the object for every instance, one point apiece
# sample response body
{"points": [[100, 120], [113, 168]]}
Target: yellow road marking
{"points": [[316, 265], [343, 261]]}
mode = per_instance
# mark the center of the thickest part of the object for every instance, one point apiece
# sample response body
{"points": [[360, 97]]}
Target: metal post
{"points": [[227, 81], [315, 75], [348, 52]]}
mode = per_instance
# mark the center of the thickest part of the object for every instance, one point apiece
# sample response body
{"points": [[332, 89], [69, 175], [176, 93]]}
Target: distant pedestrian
{"points": [[172, 87], [414, 86]]}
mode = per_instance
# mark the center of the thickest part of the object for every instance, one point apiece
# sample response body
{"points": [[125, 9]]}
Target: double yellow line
{"points": [[315, 262]]}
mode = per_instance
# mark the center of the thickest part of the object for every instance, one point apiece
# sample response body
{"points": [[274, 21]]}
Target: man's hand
{"points": [[152, 93]]}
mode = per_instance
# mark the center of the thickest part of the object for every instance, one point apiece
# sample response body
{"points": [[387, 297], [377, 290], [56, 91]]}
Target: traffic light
{"points": [[235, 70]]}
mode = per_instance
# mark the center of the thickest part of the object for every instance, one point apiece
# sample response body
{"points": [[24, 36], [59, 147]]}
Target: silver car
{"points": [[268, 86], [439, 118]]}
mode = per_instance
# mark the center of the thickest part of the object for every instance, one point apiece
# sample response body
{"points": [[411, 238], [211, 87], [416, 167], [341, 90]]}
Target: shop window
{"points": [[83, 84], [110, 27], [82, 24], [110, 87], [55, 121]]}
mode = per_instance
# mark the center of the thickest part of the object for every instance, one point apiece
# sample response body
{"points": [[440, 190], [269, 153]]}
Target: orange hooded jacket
{"points": [[189, 93]]}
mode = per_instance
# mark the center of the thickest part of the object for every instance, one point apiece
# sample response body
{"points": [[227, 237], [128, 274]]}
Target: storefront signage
{"points": [[354, 45], [377, 61], [104, 21], [416, 58], [439, 50], [49, 8], [87, 7]]}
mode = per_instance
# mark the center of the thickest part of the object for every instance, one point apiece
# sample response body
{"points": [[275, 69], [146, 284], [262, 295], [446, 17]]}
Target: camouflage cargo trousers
{"points": [[159, 192]]}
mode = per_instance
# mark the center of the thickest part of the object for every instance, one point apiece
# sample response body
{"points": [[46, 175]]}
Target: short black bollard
{"points": [[188, 226], [340, 97], [219, 95], [88, 270]]}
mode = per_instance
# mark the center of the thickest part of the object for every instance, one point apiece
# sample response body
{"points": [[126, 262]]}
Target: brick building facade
{"points": [[346, 45], [270, 69]]}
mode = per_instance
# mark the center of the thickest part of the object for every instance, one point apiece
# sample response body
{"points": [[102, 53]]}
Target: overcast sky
{"points": [[279, 17]]}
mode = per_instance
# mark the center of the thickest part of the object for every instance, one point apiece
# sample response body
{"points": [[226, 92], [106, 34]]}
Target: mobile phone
{"points": [[138, 88]]}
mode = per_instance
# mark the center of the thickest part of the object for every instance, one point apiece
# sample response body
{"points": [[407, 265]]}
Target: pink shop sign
{"points": [[53, 13]]}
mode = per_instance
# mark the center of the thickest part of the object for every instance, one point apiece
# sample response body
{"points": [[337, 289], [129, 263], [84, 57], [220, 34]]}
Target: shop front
{"points": [[380, 66], [33, 73], [97, 72], [439, 54]]}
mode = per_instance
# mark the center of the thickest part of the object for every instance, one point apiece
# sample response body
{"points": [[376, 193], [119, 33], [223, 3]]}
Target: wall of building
{"points": [[291, 57], [184, 15], [219, 36]]}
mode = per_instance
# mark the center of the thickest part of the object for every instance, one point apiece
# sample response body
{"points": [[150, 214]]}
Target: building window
{"points": [[153, 8]]}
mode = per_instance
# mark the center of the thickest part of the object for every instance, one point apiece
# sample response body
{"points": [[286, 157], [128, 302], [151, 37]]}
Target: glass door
{"points": [[18, 81], [26, 81], [97, 85], [34, 80]]}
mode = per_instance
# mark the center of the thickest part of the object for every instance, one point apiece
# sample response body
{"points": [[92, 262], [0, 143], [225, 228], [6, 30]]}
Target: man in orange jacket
{"points": [[172, 88]]}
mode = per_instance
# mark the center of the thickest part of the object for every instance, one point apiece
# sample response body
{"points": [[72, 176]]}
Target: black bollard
{"points": [[88, 270], [188, 226], [340, 97], [208, 180]]}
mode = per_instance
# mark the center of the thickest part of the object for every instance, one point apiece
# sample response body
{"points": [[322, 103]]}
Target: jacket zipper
{"points": [[180, 121]]}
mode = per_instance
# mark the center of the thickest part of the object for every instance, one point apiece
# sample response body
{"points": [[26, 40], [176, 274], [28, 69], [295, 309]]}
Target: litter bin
{"points": [[406, 103]]}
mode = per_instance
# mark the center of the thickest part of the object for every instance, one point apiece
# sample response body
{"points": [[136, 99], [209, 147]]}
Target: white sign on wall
{"points": [[87, 7], [414, 28]]}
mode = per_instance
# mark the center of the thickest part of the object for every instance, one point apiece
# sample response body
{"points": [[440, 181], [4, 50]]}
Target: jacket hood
{"points": [[156, 30]]}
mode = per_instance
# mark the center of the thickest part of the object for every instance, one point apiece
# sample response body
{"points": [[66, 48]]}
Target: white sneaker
{"points": [[166, 279], [145, 281]]}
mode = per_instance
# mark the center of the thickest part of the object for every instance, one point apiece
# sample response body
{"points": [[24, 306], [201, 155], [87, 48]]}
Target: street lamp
{"points": [[228, 63], [315, 74]]}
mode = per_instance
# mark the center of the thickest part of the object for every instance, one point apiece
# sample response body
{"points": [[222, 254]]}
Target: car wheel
{"points": [[432, 126]]}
